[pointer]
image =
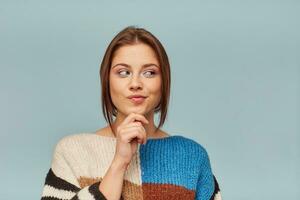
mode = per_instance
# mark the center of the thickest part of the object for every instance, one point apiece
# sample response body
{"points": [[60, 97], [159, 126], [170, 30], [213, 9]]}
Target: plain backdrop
{"points": [[235, 85]]}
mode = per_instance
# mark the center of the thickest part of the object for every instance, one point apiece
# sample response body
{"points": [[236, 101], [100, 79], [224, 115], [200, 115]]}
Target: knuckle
{"points": [[122, 138], [141, 129], [136, 123]]}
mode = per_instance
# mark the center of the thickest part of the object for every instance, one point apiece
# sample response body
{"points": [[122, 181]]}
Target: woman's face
{"points": [[135, 70]]}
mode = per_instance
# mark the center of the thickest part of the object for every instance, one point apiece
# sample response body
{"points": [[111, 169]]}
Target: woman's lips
{"points": [[137, 100]]}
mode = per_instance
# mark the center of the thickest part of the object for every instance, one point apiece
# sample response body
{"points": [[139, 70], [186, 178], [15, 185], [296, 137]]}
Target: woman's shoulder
{"points": [[74, 137], [188, 140], [80, 140], [188, 143], [181, 147]]}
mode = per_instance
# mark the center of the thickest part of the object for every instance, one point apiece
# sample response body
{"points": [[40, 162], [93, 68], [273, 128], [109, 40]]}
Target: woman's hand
{"points": [[129, 133]]}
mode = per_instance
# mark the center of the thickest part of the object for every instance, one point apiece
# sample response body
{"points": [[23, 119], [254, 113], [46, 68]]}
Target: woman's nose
{"points": [[135, 82]]}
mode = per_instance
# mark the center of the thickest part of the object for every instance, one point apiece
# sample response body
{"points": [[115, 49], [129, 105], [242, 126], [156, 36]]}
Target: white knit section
{"points": [[61, 167], [90, 155], [84, 194], [134, 171], [218, 196], [49, 191]]}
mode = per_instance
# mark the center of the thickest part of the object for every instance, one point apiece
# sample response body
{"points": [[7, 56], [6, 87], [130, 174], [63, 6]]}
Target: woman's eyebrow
{"points": [[128, 66]]}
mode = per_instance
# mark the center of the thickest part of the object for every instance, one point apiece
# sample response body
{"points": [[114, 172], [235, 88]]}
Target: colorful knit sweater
{"points": [[173, 167]]}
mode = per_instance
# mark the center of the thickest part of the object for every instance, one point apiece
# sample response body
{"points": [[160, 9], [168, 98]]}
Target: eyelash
{"points": [[153, 72]]}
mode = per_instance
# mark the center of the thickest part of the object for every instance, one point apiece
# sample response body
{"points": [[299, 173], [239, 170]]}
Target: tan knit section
{"points": [[130, 191], [84, 181], [166, 192]]}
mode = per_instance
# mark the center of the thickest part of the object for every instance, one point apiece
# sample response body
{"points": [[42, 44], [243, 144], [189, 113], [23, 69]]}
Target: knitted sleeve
{"points": [[217, 194], [207, 187], [61, 183]]}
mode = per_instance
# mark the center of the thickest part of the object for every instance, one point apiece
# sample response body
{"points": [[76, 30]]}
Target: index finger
{"points": [[132, 117]]}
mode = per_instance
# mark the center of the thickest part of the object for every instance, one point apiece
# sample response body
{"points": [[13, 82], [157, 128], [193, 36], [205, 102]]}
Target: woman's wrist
{"points": [[118, 165]]}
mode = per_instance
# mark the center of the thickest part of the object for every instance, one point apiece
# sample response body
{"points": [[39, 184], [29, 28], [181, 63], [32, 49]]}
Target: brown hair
{"points": [[129, 36]]}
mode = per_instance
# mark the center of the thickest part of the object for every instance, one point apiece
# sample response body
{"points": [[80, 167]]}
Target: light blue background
{"points": [[235, 85]]}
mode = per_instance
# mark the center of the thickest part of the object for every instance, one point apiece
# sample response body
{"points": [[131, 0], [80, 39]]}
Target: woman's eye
{"points": [[148, 73], [151, 73], [120, 72]]}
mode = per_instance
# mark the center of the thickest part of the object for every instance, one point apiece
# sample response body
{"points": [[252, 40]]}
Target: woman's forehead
{"points": [[137, 52]]}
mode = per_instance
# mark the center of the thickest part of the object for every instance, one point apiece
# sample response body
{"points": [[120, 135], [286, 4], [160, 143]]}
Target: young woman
{"points": [[131, 158]]}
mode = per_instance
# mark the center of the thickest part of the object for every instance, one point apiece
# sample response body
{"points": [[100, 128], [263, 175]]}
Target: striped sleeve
{"points": [[216, 194], [207, 185], [56, 188], [61, 183]]}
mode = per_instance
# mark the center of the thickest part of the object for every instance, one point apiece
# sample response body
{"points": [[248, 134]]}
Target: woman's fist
{"points": [[129, 133]]}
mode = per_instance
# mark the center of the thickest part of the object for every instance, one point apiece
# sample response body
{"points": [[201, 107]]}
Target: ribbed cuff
{"points": [[94, 190]]}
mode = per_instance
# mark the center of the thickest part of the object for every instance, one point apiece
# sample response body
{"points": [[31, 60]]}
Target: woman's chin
{"points": [[137, 110]]}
